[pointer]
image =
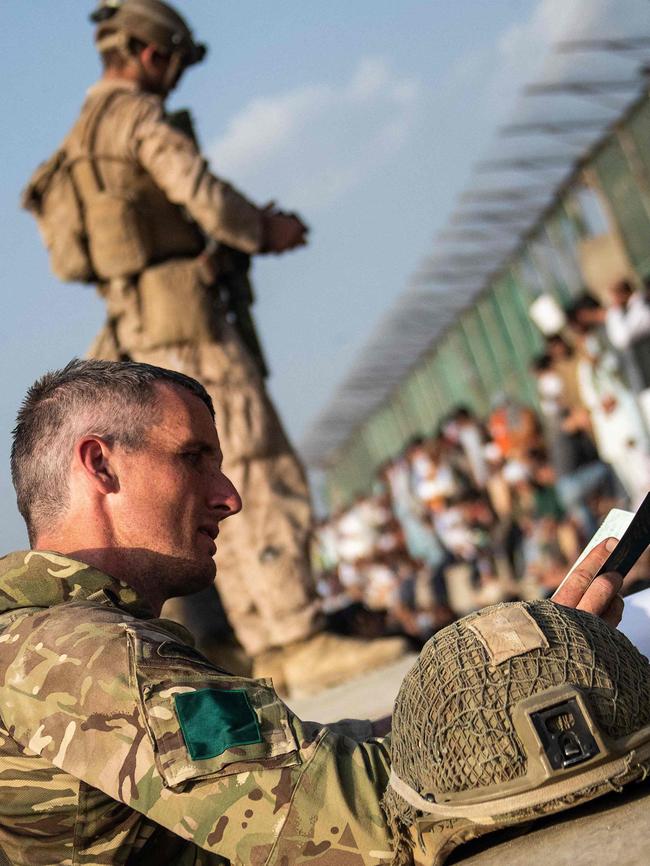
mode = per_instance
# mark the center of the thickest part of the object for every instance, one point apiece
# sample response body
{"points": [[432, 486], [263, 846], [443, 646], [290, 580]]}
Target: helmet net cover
{"points": [[452, 722]]}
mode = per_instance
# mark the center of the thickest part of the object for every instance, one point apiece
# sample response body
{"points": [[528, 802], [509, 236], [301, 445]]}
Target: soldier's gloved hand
{"points": [[282, 231], [597, 595]]}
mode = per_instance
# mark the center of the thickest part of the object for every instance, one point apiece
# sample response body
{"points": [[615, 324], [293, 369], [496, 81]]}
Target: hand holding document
{"points": [[633, 530]]}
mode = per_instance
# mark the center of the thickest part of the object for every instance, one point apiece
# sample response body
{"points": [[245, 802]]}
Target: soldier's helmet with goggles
{"points": [[150, 21], [519, 711]]}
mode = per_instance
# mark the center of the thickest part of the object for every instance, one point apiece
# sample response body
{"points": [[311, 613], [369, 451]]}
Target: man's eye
{"points": [[193, 457]]}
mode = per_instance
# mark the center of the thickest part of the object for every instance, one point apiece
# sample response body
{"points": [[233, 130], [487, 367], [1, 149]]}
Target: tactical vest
{"points": [[104, 220], [100, 214]]}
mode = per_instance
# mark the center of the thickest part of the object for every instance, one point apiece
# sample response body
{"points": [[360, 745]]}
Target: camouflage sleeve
{"points": [[177, 167], [357, 729], [219, 760]]}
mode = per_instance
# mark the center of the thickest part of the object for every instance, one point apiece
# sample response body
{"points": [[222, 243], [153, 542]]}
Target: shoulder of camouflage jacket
{"points": [[91, 689], [37, 578]]}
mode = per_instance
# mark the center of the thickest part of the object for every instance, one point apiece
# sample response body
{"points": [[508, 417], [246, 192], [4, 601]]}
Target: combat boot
{"points": [[324, 660]]}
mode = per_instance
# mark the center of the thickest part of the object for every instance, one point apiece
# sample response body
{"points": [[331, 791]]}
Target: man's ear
{"points": [[93, 458], [152, 58]]}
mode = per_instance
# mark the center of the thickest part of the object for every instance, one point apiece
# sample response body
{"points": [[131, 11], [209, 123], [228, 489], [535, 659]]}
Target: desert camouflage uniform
{"points": [[94, 767], [263, 575]]}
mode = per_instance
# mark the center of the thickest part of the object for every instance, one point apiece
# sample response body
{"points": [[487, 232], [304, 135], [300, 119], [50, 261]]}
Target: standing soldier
{"points": [[128, 202]]}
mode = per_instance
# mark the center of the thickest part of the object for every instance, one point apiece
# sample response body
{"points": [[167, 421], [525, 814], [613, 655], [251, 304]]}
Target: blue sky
{"points": [[364, 116]]}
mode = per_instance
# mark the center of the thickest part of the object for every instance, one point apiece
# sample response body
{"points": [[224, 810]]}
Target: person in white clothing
{"points": [[628, 329]]}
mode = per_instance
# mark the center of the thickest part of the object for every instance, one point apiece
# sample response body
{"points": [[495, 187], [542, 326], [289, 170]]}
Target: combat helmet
{"points": [[150, 21], [519, 711]]}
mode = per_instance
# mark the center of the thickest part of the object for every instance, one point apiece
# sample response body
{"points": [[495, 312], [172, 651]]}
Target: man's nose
{"points": [[225, 497]]}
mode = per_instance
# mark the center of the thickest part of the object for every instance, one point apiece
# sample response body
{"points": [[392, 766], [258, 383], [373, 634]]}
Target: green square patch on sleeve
{"points": [[213, 720]]}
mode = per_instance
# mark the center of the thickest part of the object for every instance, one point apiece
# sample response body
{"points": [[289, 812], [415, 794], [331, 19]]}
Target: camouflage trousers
{"points": [[263, 573]]}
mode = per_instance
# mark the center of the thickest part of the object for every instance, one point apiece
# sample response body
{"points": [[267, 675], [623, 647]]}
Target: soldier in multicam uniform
{"points": [[120, 743], [167, 243]]}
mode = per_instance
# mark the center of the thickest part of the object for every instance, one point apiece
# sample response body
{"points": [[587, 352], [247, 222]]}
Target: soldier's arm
{"points": [[177, 167], [218, 760]]}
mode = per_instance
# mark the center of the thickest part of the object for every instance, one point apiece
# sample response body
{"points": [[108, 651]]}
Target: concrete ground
{"points": [[610, 831], [371, 696]]}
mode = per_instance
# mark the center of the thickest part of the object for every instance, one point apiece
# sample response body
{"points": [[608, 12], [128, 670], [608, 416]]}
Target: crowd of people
{"points": [[496, 508]]}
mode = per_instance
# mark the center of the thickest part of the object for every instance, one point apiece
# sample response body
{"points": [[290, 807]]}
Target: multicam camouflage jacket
{"points": [[120, 744]]}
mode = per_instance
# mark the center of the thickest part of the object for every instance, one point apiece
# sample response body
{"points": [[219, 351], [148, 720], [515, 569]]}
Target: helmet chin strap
{"points": [[167, 82], [609, 772], [173, 71]]}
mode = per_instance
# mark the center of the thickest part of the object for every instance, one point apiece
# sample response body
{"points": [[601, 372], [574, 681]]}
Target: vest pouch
{"points": [[176, 306], [52, 198], [68, 251], [118, 238]]}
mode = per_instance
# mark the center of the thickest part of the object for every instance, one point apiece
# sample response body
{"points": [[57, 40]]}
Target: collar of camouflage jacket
{"points": [[38, 578]]}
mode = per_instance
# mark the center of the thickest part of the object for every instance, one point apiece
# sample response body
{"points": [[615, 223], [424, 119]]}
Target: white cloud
{"points": [[526, 51], [522, 50], [318, 141], [370, 77], [525, 43], [492, 78], [264, 126]]}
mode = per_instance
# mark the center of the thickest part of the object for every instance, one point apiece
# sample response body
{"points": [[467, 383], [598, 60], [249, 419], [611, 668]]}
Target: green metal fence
{"points": [[489, 348]]}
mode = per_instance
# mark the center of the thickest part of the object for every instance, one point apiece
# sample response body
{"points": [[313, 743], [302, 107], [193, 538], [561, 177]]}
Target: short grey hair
{"points": [[113, 399]]}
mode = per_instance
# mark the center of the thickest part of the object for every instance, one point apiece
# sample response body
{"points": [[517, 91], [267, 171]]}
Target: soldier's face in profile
{"points": [[173, 494]]}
